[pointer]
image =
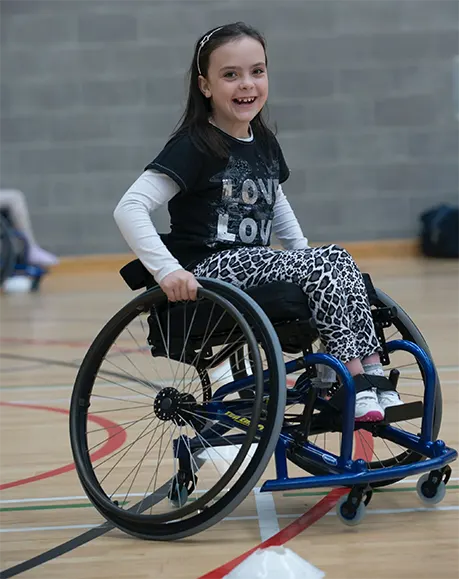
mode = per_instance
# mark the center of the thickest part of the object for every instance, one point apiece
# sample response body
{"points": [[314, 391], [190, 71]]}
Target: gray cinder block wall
{"points": [[361, 91]]}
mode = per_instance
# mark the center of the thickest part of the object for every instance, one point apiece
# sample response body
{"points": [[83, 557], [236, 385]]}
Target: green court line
{"points": [[397, 490], [288, 495]]}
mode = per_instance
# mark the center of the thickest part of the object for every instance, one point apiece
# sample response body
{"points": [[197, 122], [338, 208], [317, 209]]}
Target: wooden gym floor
{"points": [[44, 337]]}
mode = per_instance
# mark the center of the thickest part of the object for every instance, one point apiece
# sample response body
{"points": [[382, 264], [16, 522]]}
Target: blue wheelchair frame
{"points": [[344, 471]]}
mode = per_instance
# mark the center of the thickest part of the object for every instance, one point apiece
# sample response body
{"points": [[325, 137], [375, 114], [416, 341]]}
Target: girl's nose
{"points": [[246, 83]]}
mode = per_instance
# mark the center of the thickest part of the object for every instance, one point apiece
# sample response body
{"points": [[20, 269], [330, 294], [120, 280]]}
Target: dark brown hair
{"points": [[195, 119]]}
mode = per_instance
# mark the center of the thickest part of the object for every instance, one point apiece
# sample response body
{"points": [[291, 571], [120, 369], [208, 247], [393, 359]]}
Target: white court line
{"points": [[246, 518], [267, 514], [80, 497], [415, 480]]}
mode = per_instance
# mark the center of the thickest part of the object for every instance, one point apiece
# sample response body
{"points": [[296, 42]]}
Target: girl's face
{"points": [[237, 84]]}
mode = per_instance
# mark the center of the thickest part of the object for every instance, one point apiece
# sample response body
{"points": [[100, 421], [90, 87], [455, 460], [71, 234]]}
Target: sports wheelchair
{"points": [[13, 252], [178, 408]]}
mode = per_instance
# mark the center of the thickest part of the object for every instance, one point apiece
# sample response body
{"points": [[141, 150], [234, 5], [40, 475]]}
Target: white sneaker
{"points": [[367, 408], [388, 398]]}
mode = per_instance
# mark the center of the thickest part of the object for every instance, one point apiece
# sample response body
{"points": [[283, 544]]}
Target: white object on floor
{"points": [[221, 457], [17, 284], [275, 563]]}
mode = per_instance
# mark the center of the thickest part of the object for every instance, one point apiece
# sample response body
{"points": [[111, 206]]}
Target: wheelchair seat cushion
{"points": [[281, 301]]}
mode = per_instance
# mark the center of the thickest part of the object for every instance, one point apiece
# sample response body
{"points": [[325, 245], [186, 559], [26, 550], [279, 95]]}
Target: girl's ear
{"points": [[204, 86]]}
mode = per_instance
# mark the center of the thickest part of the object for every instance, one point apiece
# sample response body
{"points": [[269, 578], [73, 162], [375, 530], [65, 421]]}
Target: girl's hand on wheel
{"points": [[180, 285]]}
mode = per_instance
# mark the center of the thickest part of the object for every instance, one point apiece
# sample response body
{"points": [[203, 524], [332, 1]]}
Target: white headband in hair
{"points": [[201, 44]]}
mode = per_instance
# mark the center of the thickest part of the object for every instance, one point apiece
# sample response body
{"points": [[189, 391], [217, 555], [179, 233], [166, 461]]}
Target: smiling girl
{"points": [[221, 175]]}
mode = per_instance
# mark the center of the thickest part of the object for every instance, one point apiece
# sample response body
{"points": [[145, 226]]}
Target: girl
{"points": [[221, 174]]}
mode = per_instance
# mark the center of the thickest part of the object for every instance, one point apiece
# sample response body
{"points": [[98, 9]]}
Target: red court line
{"points": [[116, 438], [299, 525], [309, 518]]}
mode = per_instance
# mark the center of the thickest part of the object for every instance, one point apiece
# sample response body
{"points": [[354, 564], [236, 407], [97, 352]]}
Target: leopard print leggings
{"points": [[329, 278]]}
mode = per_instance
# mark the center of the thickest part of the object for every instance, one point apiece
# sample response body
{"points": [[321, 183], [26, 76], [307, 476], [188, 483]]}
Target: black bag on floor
{"points": [[440, 232]]}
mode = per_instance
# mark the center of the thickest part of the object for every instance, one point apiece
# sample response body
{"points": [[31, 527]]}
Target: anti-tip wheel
{"points": [[350, 517], [428, 492]]}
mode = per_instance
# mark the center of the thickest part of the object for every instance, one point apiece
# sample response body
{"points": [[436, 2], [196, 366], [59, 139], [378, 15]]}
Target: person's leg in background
{"points": [[15, 203]]}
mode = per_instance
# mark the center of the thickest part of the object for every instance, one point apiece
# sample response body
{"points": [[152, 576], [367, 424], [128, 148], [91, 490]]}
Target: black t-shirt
{"points": [[222, 203]]}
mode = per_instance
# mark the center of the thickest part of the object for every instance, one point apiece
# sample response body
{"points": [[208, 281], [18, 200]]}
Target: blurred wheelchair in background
{"points": [[13, 257]]}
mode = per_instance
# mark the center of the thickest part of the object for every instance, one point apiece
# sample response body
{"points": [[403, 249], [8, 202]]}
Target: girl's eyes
{"points": [[232, 74]]}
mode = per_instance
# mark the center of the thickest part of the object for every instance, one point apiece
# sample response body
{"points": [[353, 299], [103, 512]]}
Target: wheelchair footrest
{"points": [[404, 412]]}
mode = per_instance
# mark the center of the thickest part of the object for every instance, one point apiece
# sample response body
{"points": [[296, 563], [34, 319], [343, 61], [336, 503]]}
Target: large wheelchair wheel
{"points": [[7, 250], [183, 453]]}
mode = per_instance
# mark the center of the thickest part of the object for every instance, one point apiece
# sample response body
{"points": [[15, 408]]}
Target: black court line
{"points": [[76, 365], [87, 536], [16, 369], [56, 551], [82, 539], [47, 361]]}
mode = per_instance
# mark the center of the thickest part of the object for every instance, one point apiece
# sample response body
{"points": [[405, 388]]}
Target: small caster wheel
{"points": [[178, 496], [349, 514], [429, 492]]}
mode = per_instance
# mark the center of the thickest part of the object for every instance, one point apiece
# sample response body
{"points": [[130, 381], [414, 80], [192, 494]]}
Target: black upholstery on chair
{"points": [[281, 301], [284, 303], [136, 275]]}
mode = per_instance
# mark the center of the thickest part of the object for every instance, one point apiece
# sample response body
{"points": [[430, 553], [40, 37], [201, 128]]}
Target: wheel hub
{"points": [[172, 405]]}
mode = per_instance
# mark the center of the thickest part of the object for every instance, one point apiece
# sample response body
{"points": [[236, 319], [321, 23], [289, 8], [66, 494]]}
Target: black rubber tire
{"points": [[156, 527]]}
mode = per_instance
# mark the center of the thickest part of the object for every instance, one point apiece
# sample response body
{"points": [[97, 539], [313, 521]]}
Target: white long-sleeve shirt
{"points": [[151, 190]]}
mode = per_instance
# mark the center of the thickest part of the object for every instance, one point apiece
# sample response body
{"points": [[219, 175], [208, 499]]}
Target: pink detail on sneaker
{"points": [[370, 416], [367, 408]]}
